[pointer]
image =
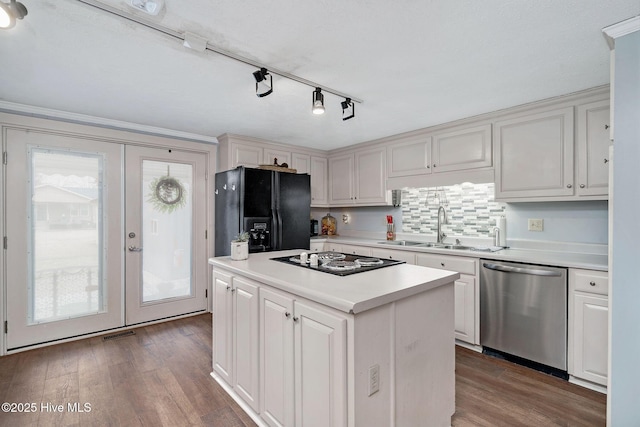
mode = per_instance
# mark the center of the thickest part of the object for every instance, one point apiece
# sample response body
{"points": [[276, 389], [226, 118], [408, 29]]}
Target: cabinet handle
{"points": [[434, 165], [295, 319], [569, 185], [592, 283], [606, 126], [287, 314], [228, 287], [442, 264], [581, 185], [606, 160], [428, 167], [233, 290]]}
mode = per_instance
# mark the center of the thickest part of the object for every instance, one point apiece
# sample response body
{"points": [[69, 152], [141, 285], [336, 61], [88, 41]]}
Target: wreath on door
{"points": [[167, 194]]}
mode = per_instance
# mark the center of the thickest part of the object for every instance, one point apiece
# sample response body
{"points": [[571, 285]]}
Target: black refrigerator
{"points": [[273, 207]]}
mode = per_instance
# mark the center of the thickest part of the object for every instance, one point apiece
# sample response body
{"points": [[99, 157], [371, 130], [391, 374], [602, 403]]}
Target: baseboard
{"points": [[476, 348], [588, 384]]}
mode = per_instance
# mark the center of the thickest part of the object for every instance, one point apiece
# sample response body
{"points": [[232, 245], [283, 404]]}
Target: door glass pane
{"points": [[66, 251], [166, 233]]}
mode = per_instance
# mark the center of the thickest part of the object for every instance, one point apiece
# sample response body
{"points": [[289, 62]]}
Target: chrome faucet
{"points": [[442, 213]]}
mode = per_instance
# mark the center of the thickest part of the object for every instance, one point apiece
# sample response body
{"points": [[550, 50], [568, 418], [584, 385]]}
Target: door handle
{"points": [[134, 249], [520, 270]]}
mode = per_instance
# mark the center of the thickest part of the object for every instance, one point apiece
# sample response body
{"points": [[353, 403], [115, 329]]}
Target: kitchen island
{"points": [[294, 346]]}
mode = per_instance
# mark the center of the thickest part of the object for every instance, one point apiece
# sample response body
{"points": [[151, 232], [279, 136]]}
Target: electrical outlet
{"points": [[536, 224], [374, 379]]}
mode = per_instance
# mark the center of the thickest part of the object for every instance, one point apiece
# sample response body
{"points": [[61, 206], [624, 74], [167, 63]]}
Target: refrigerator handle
{"points": [[276, 232]]}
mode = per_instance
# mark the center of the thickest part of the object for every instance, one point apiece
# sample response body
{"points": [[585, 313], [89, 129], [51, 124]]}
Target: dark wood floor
{"points": [[160, 377]]}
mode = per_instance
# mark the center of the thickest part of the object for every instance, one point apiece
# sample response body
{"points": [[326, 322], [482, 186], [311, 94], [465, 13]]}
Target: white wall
{"points": [[624, 383]]}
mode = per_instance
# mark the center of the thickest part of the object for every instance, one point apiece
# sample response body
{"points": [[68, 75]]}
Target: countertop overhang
{"points": [[531, 256], [351, 294]]}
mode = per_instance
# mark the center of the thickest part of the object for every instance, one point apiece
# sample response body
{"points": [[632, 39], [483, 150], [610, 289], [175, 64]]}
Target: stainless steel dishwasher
{"points": [[523, 311]]}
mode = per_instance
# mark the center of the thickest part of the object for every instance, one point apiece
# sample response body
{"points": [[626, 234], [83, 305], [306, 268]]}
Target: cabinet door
{"points": [[462, 149], [465, 308], [318, 181], [534, 155], [356, 250], [276, 358], [301, 163], [320, 368], [341, 180], [593, 149], [590, 338], [222, 326], [245, 339], [270, 156], [412, 157], [245, 155], [371, 177]]}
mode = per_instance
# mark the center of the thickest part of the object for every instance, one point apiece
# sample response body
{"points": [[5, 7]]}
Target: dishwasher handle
{"points": [[520, 270]]}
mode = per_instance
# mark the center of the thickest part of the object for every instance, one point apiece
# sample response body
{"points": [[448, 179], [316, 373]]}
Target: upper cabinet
{"points": [[359, 178], [534, 155], [319, 182], [409, 157], [549, 156], [461, 149], [237, 151], [593, 148]]}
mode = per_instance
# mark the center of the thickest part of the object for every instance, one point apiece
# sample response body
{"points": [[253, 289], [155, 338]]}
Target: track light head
{"points": [[10, 12], [348, 109], [264, 82], [318, 102]]}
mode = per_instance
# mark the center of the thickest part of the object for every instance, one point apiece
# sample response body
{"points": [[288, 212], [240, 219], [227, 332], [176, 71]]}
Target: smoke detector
{"points": [[152, 7]]}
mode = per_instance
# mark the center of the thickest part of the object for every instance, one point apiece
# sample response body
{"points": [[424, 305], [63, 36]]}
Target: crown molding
{"points": [[47, 113], [628, 26]]}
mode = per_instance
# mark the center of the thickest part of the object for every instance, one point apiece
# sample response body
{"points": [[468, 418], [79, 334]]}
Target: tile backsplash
{"points": [[471, 210]]}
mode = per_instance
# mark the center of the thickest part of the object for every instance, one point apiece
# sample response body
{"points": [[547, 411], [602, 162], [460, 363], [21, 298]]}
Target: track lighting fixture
{"points": [[348, 109], [263, 86], [318, 102], [10, 12]]}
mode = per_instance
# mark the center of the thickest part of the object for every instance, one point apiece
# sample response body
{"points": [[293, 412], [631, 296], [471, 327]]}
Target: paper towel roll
{"points": [[502, 225]]}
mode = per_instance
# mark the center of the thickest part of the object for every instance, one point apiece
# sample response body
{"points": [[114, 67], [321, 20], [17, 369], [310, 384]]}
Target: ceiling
{"points": [[413, 63]]}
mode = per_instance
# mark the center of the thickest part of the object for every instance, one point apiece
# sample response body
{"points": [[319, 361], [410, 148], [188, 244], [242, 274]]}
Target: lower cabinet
{"points": [[466, 293], [302, 363], [235, 335], [588, 325]]}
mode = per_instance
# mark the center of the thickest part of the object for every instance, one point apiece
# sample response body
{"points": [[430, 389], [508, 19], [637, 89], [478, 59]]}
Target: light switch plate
{"points": [[536, 224]]}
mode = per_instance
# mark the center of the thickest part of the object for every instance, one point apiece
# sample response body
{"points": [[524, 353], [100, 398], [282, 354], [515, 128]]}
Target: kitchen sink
{"points": [[402, 243], [459, 247]]}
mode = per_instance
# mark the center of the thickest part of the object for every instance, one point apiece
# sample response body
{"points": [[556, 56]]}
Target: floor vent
{"points": [[119, 335]]}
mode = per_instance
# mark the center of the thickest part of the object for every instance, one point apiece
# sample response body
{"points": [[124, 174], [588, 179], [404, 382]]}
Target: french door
{"points": [[166, 262], [99, 235]]}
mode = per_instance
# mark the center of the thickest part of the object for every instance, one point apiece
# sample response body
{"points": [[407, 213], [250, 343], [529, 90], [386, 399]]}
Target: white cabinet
{"points": [[245, 155], [593, 148], [534, 155], [272, 155], [235, 326], [341, 173], [318, 172], [316, 246], [359, 178], [300, 162], [303, 363], [356, 250], [466, 293], [588, 325], [412, 156], [462, 149]]}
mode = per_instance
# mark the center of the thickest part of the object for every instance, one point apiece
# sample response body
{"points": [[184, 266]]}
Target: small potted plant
{"points": [[240, 246]]}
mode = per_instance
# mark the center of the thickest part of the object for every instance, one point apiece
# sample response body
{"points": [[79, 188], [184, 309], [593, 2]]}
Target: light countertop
{"points": [[354, 293], [532, 256]]}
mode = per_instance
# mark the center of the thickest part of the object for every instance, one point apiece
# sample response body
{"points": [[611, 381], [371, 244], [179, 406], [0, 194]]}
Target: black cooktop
{"points": [[340, 264]]}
